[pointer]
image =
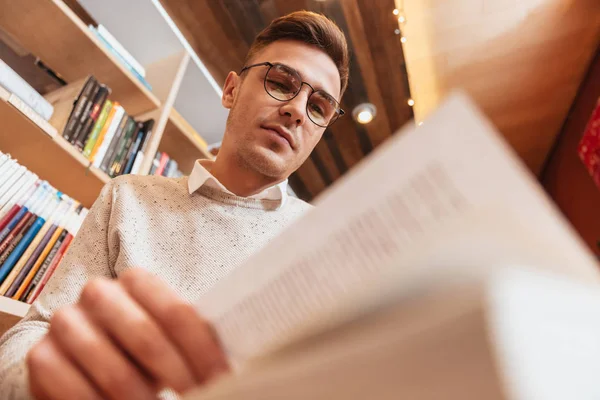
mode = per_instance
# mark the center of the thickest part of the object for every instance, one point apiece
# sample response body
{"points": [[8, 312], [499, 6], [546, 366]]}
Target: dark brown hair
{"points": [[310, 28]]}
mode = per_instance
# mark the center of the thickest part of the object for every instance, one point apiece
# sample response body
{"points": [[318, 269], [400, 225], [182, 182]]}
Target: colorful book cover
{"points": [[97, 129], [125, 144], [15, 236], [24, 238], [24, 206], [90, 87], [162, 164], [33, 252], [90, 117], [137, 144], [115, 143], [15, 290], [42, 264], [589, 146], [109, 121], [72, 227], [155, 163], [11, 208], [108, 136], [139, 158]]}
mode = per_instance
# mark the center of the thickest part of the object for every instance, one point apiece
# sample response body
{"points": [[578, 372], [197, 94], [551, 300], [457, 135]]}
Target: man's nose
{"points": [[296, 107]]}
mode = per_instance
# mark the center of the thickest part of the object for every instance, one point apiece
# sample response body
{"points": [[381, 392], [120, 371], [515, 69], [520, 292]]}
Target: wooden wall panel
{"points": [[521, 61], [565, 177]]}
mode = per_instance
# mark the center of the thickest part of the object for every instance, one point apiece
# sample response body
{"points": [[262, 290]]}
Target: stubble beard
{"points": [[249, 154]]}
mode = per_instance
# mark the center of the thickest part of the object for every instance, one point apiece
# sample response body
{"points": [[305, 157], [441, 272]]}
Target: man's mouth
{"points": [[284, 133]]}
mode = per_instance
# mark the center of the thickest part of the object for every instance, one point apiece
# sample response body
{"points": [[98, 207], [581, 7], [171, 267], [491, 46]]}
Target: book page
{"points": [[420, 181]]}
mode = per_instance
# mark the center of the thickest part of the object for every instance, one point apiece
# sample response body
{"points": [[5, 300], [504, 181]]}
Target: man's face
{"points": [[255, 117]]}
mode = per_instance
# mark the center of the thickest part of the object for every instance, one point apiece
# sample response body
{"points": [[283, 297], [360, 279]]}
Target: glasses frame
{"points": [[339, 112]]}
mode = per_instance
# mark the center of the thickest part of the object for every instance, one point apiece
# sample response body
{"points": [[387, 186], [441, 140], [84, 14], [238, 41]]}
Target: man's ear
{"points": [[230, 89]]}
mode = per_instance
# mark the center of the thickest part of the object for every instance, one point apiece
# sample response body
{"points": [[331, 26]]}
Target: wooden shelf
{"points": [[16, 308], [51, 31], [49, 156], [182, 143], [11, 312]]}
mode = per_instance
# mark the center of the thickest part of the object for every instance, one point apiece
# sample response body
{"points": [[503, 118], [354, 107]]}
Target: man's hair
{"points": [[310, 28]]}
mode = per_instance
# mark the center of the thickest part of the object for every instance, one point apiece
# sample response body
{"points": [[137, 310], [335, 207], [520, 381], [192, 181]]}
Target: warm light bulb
{"points": [[364, 113], [420, 123], [396, 11], [364, 117], [403, 39], [402, 19], [411, 102]]}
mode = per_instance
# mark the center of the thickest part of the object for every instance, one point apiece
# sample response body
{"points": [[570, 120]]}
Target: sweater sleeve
{"points": [[88, 257]]}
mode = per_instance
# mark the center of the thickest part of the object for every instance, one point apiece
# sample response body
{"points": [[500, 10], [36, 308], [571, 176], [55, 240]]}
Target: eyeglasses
{"points": [[283, 83]]}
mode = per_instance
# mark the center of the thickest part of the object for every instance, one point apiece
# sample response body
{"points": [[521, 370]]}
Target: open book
{"points": [[416, 236]]}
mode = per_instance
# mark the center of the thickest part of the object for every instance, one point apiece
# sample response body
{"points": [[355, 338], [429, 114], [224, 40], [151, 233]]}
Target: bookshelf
{"points": [[49, 155], [51, 31], [182, 142]]}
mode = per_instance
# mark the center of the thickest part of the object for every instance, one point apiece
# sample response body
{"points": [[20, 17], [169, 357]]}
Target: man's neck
{"points": [[240, 180]]}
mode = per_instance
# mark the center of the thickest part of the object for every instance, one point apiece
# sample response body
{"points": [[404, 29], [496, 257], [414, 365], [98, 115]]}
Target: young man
{"points": [[106, 329]]}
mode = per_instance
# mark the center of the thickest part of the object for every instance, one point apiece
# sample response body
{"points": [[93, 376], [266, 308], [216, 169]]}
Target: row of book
{"points": [[165, 166], [15, 84], [106, 135], [37, 226], [121, 54]]}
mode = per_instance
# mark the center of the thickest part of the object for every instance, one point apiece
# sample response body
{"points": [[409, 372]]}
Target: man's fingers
{"points": [[91, 350], [181, 323], [52, 376], [114, 311]]}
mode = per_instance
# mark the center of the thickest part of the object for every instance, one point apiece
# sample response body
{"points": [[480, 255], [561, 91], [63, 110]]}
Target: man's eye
{"points": [[315, 108], [279, 86]]}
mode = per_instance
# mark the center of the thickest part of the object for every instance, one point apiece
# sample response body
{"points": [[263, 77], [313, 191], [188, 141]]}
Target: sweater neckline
{"points": [[234, 200]]}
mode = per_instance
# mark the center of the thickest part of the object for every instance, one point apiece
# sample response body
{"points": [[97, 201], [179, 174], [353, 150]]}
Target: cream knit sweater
{"points": [[190, 240]]}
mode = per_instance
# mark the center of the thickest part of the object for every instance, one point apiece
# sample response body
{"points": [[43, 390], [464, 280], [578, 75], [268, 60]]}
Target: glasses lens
{"points": [[282, 83], [322, 108]]}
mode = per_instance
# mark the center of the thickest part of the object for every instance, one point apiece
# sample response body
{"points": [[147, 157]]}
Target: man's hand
{"points": [[124, 339]]}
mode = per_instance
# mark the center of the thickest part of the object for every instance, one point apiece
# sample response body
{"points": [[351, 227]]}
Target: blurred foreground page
{"points": [[512, 335], [387, 213]]}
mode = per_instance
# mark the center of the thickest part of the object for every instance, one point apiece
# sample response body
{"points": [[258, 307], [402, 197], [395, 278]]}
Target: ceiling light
{"points": [[411, 102], [402, 19], [396, 11], [403, 39], [420, 123], [397, 31], [364, 113]]}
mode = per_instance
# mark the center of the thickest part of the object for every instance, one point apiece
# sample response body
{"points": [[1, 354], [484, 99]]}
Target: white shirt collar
{"points": [[201, 176]]}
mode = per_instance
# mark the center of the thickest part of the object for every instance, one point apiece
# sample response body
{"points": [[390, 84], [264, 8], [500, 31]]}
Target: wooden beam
{"points": [[389, 66], [344, 134], [320, 165], [311, 177], [298, 186], [364, 66], [247, 17], [335, 152], [200, 19], [287, 6]]}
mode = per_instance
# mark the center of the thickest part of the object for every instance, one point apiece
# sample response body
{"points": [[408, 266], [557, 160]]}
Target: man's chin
{"points": [[267, 162]]}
